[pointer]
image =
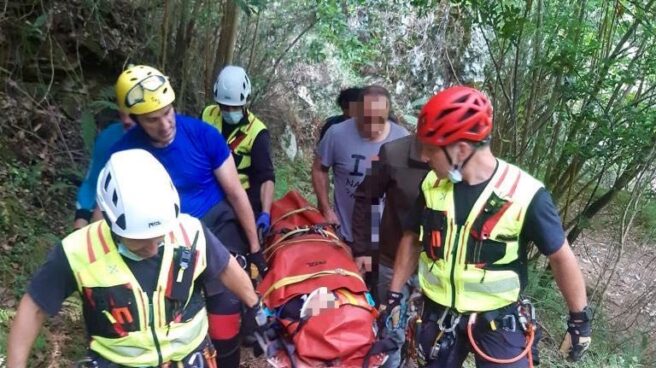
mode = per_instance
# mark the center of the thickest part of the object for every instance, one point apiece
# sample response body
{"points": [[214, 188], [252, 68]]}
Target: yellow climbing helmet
{"points": [[142, 89]]}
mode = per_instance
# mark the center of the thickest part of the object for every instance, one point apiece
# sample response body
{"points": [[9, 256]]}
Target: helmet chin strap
{"points": [[455, 173]]}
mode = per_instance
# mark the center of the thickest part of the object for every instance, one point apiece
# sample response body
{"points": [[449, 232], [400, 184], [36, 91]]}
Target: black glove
{"points": [[254, 320], [258, 260], [389, 308], [578, 337]]}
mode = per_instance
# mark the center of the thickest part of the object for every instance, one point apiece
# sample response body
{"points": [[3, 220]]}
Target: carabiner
{"points": [[455, 319]]}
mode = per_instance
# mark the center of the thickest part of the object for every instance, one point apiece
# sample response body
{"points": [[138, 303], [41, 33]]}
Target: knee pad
{"points": [[224, 327]]}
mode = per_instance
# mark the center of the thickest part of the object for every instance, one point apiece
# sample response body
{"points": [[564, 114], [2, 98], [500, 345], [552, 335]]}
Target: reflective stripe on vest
{"points": [[475, 267], [125, 325], [240, 140]]}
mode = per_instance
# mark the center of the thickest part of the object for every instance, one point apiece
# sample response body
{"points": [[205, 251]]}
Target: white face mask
{"points": [[455, 176], [232, 117]]}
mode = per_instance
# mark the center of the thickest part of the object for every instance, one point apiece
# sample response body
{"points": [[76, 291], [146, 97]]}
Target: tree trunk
{"points": [[591, 210], [229, 24]]}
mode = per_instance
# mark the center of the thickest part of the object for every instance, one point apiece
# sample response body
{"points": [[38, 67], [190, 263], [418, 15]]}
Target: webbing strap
{"points": [[298, 231], [294, 212], [290, 280], [273, 250]]}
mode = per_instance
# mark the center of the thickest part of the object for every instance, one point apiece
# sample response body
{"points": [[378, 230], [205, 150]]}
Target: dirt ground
{"points": [[249, 361], [630, 301]]}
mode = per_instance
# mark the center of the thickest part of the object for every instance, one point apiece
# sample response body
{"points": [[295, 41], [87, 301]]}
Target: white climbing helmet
{"points": [[137, 196], [232, 86]]}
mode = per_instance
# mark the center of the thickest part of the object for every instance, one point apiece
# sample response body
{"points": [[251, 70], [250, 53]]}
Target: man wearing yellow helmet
{"points": [[203, 171]]}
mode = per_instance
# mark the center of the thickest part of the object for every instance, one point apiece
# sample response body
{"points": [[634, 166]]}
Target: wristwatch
{"points": [[585, 315]]}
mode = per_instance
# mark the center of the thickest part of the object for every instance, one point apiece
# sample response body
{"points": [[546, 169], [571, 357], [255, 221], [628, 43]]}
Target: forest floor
{"points": [[630, 299]]}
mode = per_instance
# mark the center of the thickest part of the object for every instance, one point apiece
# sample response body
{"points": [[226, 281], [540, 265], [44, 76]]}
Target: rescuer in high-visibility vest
{"points": [[248, 139], [203, 171], [468, 237], [140, 273]]}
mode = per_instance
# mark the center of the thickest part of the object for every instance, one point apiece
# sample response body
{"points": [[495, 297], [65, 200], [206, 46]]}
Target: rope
{"points": [[527, 350]]}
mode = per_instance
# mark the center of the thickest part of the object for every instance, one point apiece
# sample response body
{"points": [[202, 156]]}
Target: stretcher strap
{"points": [[295, 232], [290, 280], [294, 212], [271, 251]]}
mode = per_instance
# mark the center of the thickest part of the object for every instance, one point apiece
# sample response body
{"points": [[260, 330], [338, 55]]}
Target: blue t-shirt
{"points": [[196, 151], [86, 194]]}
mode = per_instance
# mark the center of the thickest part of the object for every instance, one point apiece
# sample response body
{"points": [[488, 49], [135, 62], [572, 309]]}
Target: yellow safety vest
{"points": [[240, 140], [125, 326], [475, 267]]}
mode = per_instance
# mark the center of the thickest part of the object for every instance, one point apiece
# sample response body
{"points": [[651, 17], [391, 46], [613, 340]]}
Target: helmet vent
{"points": [[468, 114], [128, 71], [165, 89], [462, 99], [133, 79], [241, 96], [149, 73], [107, 180], [177, 209], [120, 222], [446, 112], [115, 198]]}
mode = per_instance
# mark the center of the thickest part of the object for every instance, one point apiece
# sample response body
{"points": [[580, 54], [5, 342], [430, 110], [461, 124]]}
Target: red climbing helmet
{"points": [[455, 114]]}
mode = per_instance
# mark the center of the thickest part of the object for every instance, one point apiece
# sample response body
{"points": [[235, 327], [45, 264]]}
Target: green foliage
{"points": [[647, 216], [294, 175], [25, 231], [87, 129], [607, 350]]}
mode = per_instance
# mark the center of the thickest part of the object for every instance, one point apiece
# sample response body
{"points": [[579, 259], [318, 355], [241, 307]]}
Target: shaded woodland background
{"points": [[573, 85]]}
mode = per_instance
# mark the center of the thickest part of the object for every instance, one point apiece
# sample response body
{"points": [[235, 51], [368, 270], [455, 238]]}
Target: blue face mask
{"points": [[127, 253], [232, 117]]}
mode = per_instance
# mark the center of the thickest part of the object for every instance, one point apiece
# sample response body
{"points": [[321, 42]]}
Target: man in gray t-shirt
{"points": [[349, 148]]}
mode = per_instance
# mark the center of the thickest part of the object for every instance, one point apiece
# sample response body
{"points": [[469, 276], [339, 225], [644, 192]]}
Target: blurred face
{"points": [[227, 108], [352, 110], [437, 159], [373, 119], [144, 248], [126, 120], [159, 125]]}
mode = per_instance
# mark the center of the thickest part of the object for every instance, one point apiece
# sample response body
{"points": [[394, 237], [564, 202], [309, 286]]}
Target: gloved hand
{"points": [[263, 222], [390, 308], [254, 320], [258, 260], [578, 337]]}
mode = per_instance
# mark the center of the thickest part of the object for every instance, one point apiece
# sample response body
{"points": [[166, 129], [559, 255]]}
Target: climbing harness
{"points": [[526, 318]]}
